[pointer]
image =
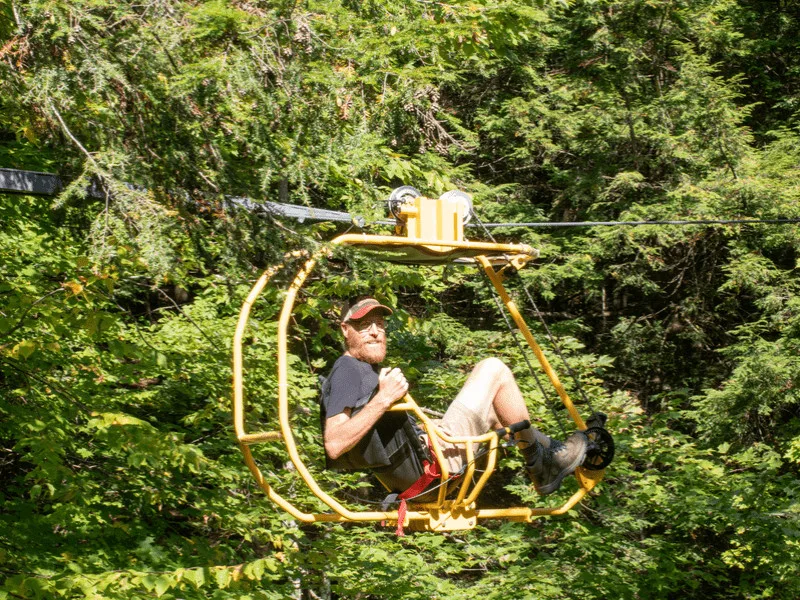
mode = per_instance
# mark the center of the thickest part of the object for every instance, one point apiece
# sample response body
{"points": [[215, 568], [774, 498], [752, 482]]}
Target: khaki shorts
{"points": [[461, 421]]}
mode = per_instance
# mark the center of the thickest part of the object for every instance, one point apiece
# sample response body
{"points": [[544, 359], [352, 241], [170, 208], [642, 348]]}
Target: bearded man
{"points": [[360, 432]]}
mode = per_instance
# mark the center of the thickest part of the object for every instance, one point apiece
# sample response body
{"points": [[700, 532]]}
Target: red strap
{"points": [[401, 516], [430, 473]]}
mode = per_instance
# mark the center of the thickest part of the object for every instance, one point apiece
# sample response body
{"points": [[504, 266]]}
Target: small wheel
{"points": [[600, 451], [462, 197], [400, 196]]}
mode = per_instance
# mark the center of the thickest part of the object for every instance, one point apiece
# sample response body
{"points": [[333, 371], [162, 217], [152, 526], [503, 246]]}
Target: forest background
{"points": [[119, 475]]}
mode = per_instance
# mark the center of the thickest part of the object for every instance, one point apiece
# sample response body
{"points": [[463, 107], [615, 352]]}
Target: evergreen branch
{"points": [[72, 137], [16, 14], [166, 51], [91, 159]]}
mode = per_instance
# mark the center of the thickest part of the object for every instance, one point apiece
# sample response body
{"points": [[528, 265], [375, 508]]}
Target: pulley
{"points": [[400, 196]]}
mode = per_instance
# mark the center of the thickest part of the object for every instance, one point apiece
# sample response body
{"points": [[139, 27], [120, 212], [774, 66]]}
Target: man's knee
{"points": [[493, 367]]}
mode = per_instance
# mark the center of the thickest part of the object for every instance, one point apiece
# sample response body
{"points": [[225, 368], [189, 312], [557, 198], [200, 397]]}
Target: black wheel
{"points": [[600, 452]]}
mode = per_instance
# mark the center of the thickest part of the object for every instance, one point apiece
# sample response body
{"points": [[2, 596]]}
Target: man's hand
{"points": [[392, 386], [343, 431]]}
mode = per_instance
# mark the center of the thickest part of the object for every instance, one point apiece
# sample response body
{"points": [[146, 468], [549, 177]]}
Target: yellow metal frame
{"points": [[460, 511]]}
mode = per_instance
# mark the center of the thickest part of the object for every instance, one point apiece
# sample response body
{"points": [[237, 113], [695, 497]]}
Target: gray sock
{"points": [[543, 439]]}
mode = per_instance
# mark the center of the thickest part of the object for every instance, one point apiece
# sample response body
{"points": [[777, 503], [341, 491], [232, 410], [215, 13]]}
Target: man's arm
{"points": [[343, 432]]}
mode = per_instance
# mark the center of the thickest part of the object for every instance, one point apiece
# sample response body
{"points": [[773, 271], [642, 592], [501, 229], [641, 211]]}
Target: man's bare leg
{"points": [[491, 391]]}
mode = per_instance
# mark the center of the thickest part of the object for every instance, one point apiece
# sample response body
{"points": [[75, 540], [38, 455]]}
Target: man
{"points": [[359, 433]]}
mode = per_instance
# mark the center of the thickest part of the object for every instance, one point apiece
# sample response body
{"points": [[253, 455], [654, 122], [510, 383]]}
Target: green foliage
{"points": [[119, 477]]}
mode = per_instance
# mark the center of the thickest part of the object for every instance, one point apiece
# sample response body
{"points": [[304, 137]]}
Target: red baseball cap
{"points": [[360, 308]]}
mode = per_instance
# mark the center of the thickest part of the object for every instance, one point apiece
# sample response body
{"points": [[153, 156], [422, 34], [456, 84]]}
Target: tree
{"points": [[119, 473]]}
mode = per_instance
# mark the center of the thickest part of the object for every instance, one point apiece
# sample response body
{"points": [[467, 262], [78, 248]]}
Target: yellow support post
{"points": [[526, 333]]}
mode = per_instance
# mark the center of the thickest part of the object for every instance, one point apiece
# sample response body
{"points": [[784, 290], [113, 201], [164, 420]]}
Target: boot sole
{"points": [[556, 483]]}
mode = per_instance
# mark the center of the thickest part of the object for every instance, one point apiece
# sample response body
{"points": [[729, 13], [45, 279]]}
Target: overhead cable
{"points": [[638, 223], [48, 184]]}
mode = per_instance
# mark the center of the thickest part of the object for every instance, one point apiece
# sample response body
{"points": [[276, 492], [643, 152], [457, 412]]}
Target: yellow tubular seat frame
{"points": [[460, 510]]}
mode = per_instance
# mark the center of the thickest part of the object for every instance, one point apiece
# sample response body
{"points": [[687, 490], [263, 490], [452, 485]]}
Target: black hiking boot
{"points": [[551, 463]]}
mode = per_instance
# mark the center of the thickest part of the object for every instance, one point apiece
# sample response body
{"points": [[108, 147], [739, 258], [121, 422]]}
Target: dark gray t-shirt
{"points": [[352, 384]]}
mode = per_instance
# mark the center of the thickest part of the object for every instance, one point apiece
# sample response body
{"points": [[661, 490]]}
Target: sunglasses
{"points": [[366, 325]]}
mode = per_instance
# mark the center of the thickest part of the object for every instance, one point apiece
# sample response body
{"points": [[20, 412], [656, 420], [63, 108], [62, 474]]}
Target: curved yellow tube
{"points": [[441, 510]]}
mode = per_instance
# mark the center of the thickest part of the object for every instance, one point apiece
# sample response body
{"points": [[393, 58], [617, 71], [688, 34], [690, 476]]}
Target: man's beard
{"points": [[373, 353]]}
